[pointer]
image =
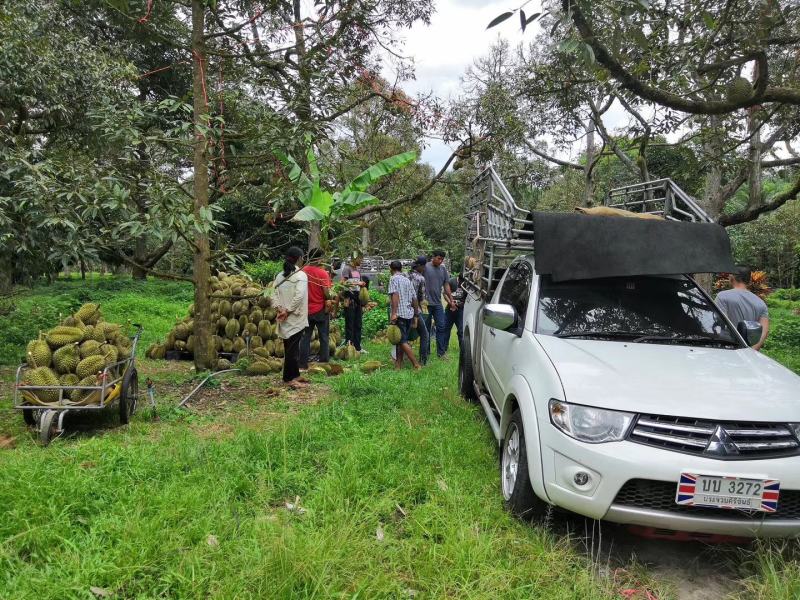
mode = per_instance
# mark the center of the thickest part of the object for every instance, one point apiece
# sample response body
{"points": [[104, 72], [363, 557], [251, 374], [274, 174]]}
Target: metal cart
{"points": [[118, 381]]}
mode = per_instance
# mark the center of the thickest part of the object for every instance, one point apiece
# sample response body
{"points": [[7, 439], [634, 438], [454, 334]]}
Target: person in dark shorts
{"points": [[740, 304], [404, 312], [353, 311], [455, 312], [319, 285]]}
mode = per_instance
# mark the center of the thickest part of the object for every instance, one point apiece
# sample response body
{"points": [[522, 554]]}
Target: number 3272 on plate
{"points": [[734, 493]]}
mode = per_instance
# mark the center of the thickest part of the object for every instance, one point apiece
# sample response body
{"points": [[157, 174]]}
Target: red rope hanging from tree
{"points": [[146, 16]]}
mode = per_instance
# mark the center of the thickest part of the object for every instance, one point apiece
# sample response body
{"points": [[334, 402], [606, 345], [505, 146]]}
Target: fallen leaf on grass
{"points": [[295, 506], [400, 511], [442, 485], [7, 442], [100, 592], [379, 533], [88, 465], [212, 540]]}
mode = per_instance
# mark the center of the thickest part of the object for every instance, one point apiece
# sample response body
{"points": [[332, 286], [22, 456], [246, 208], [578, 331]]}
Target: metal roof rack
{"points": [[498, 230]]}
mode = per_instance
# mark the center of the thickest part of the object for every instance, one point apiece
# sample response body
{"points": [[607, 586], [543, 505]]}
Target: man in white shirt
{"points": [[291, 301]]}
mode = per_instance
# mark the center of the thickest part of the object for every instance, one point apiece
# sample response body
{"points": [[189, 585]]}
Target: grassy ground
{"points": [[394, 475]]}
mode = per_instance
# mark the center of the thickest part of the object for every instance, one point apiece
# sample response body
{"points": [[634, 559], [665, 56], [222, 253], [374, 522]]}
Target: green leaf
{"points": [[308, 213], [378, 170], [522, 20], [296, 176], [532, 18], [500, 19]]}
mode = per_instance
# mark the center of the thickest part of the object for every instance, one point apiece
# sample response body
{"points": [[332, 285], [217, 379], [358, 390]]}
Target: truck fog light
{"points": [[581, 478]]}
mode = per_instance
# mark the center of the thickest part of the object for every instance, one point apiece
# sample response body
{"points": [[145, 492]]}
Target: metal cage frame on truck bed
{"points": [[499, 230]]}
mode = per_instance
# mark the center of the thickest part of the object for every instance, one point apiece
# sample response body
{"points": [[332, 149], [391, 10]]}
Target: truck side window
{"points": [[516, 291]]}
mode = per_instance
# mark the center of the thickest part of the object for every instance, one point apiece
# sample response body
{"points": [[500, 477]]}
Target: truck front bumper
{"points": [[652, 475]]}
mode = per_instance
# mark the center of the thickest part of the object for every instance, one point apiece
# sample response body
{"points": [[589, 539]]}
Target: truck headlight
{"points": [[589, 424]]}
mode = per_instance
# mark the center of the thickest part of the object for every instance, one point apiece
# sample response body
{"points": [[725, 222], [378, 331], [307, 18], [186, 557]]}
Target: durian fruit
{"points": [[270, 313], [92, 347], [264, 302], [371, 365], [225, 309], [221, 323], [739, 90], [222, 364], [181, 331], [90, 366], [259, 367], [61, 336], [227, 345], [394, 334], [123, 352], [150, 350], [232, 329], [69, 379], [256, 341], [110, 353], [264, 329], [251, 329], [38, 352], [89, 380], [262, 352], [89, 313], [279, 348], [336, 370], [42, 376], [159, 352], [317, 370], [66, 358], [190, 343], [239, 344], [73, 321], [341, 353], [256, 316], [315, 347], [217, 341], [180, 345], [332, 347], [352, 353], [242, 322], [363, 296]]}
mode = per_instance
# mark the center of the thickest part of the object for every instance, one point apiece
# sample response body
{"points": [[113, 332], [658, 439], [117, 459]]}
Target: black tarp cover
{"points": [[575, 246]]}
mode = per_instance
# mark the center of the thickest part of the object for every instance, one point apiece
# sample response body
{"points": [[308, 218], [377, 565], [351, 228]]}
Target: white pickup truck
{"points": [[629, 398]]}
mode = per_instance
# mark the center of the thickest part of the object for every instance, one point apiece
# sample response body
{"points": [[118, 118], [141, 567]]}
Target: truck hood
{"points": [[705, 383]]}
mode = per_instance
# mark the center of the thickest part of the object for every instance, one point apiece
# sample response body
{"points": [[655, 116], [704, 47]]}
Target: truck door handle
{"points": [[491, 331]]}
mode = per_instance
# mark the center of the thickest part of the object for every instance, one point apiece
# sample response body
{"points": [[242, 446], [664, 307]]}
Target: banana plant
{"points": [[323, 205]]}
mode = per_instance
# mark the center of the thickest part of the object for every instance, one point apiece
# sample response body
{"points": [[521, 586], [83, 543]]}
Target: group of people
{"points": [[426, 300]]}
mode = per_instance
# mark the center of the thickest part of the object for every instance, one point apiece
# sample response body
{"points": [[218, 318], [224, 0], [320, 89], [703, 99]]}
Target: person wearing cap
{"points": [[319, 285], [417, 278]]}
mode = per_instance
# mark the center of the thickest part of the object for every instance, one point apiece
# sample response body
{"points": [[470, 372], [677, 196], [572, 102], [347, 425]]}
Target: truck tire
{"points": [[520, 499], [466, 378]]}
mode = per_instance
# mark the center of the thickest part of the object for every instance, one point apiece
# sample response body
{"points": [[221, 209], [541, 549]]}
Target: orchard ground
{"points": [[381, 485]]}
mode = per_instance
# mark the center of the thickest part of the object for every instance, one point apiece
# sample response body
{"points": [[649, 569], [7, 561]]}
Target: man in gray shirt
{"points": [[740, 304], [437, 280]]}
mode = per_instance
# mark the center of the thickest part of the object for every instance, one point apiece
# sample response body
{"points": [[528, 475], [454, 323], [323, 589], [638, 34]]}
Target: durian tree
{"points": [[721, 75]]}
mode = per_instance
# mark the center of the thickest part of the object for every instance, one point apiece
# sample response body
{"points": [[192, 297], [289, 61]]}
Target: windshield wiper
{"points": [[596, 333], [690, 338]]}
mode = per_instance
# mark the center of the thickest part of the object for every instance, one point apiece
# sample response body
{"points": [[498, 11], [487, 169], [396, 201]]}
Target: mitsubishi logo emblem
{"points": [[721, 444]]}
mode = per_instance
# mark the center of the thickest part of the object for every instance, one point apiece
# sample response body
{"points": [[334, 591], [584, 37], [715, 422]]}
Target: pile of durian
{"points": [[74, 353], [240, 309]]}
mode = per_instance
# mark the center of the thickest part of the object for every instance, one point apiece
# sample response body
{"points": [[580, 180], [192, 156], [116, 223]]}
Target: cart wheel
{"points": [[48, 427], [128, 396], [30, 417]]}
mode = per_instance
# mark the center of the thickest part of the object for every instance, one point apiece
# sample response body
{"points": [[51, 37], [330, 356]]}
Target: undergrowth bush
{"points": [[264, 271], [791, 294]]}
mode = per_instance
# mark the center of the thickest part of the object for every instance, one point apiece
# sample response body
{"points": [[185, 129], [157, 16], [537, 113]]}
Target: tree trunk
{"points": [[6, 273], [713, 148], [588, 192], [314, 235], [756, 147], [140, 258], [202, 253]]}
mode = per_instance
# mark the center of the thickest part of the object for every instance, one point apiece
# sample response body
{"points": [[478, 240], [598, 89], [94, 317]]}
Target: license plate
{"points": [[728, 492]]}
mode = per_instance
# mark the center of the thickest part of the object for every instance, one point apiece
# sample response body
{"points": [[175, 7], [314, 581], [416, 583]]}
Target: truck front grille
{"points": [[724, 440], [660, 495]]}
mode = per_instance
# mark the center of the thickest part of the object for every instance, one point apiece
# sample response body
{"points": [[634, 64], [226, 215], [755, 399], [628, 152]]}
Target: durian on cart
{"points": [[83, 364]]}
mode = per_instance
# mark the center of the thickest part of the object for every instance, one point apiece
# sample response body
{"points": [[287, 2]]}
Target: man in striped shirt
{"points": [[405, 311]]}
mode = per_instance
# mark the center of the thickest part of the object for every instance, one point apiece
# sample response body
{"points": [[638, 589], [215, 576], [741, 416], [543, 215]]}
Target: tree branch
{"points": [[552, 159], [750, 214]]}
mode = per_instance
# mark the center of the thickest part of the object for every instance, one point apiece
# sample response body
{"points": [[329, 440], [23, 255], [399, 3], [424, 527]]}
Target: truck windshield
{"points": [[639, 309]]}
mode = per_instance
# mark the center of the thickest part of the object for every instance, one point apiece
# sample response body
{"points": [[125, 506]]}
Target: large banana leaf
{"points": [[380, 169]]}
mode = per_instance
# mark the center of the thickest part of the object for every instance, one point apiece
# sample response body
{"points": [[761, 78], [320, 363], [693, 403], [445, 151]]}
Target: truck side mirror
{"points": [[750, 331], [499, 316]]}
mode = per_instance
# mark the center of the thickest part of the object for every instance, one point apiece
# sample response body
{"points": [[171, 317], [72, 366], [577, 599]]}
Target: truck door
{"points": [[502, 348]]}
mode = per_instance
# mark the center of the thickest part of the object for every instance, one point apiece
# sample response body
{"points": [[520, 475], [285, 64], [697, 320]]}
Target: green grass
{"points": [[132, 511], [152, 303], [783, 343]]}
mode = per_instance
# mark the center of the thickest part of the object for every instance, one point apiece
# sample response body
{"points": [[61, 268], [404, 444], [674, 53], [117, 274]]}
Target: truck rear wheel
{"points": [[466, 378], [520, 499]]}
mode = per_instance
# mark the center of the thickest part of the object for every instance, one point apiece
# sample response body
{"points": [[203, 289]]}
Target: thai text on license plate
{"points": [[728, 492]]}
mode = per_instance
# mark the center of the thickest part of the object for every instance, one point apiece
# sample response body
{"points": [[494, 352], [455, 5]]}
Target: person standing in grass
{"points": [[417, 278], [437, 284], [319, 285], [405, 311], [455, 313], [291, 302], [353, 313]]}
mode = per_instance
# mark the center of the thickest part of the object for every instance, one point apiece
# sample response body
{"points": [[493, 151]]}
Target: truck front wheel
{"points": [[515, 480]]}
